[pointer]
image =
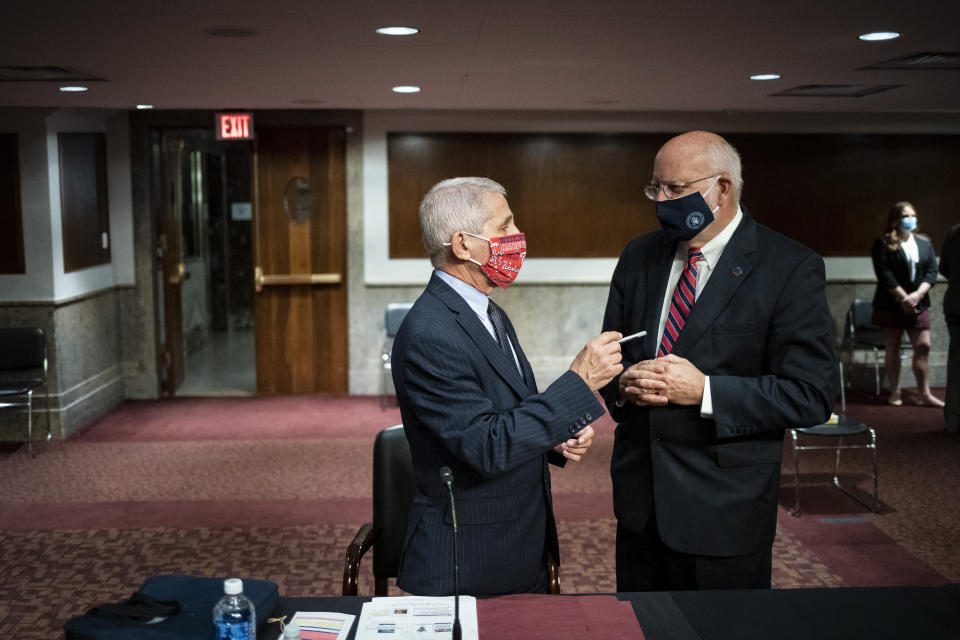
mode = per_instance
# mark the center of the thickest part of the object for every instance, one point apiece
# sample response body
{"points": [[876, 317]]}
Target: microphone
{"points": [[446, 477]]}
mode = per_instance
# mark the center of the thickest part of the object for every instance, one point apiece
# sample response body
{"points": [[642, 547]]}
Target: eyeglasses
{"points": [[671, 189]]}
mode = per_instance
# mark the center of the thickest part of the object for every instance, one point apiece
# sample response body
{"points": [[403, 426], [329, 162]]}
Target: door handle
{"points": [[181, 276], [281, 279]]}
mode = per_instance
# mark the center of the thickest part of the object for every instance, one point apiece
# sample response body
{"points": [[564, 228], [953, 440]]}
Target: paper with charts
{"points": [[416, 618], [322, 625]]}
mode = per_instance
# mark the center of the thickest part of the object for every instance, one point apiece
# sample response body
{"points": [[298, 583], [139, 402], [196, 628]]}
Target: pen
{"points": [[632, 336]]}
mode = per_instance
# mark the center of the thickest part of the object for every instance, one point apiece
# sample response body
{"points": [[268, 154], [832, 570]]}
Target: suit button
{"points": [[573, 428], [583, 422], [589, 417]]}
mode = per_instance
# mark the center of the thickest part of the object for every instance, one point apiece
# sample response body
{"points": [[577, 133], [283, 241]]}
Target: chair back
{"points": [[862, 310], [393, 318], [21, 349], [860, 325], [394, 487]]}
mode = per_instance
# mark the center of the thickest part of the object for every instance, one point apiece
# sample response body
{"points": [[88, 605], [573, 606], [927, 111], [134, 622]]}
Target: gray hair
{"points": [[457, 204], [723, 157]]}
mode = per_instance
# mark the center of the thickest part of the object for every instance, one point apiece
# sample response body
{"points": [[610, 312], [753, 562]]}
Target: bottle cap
{"points": [[232, 586], [291, 631]]}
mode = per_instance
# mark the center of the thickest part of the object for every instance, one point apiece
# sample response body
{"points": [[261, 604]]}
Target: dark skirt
{"points": [[900, 320]]}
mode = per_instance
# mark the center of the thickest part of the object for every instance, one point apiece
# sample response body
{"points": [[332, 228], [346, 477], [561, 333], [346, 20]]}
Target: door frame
{"points": [[147, 214]]}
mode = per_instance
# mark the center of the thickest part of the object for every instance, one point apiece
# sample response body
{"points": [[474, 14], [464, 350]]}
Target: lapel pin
{"points": [[737, 272]]}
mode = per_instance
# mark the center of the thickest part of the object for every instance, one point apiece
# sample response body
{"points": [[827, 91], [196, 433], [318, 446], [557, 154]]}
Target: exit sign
{"points": [[234, 126]]}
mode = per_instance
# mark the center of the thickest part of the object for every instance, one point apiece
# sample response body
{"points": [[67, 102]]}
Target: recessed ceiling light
{"points": [[74, 89], [766, 76], [144, 106], [406, 89], [231, 32], [398, 31], [879, 35]]}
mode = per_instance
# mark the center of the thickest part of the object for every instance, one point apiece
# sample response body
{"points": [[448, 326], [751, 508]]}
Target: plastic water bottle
{"points": [[233, 616]]}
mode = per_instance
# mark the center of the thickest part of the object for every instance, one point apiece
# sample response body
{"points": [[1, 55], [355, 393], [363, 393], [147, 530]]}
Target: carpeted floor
{"points": [[275, 488]]}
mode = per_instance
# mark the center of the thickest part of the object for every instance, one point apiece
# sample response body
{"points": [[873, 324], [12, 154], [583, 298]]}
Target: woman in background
{"points": [[906, 269]]}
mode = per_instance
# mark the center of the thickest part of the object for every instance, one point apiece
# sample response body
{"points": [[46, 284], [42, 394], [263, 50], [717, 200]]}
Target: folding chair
{"points": [[843, 430], [23, 368]]}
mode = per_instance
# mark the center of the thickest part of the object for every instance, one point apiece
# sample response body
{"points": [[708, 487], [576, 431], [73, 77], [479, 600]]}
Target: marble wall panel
{"points": [[553, 322]]}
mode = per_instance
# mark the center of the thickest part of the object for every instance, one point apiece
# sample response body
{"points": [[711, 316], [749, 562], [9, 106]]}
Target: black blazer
{"points": [[762, 331], [950, 269], [892, 269], [465, 406]]}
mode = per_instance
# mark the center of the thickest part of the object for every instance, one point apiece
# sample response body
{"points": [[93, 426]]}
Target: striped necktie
{"points": [[681, 304], [496, 319]]}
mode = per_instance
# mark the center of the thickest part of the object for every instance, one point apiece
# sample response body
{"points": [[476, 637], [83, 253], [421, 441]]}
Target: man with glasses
{"points": [[739, 347]]}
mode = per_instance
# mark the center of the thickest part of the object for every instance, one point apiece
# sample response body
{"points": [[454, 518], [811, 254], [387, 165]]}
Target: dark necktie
{"points": [[496, 319], [681, 304]]}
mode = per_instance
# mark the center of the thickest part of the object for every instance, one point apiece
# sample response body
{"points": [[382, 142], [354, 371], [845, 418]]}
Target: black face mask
{"points": [[683, 218]]}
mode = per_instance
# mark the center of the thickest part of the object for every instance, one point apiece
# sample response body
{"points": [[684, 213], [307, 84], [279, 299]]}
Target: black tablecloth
{"points": [[872, 613]]}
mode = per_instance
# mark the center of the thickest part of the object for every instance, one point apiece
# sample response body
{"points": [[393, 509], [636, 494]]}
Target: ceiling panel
{"points": [[686, 55]]}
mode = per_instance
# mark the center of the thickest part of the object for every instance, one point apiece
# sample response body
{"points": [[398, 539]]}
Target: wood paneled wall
{"points": [[833, 192], [574, 195], [579, 194], [11, 222], [83, 199]]}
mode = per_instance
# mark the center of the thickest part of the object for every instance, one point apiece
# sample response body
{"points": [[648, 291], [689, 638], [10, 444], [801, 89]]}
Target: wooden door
{"points": [[300, 303], [174, 273]]}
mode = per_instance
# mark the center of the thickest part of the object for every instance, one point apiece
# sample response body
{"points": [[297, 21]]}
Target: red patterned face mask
{"points": [[506, 258]]}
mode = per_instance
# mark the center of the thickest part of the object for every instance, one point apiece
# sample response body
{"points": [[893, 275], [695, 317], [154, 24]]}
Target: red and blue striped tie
{"points": [[681, 304]]}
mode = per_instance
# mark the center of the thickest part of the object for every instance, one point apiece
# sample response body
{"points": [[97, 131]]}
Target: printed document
{"points": [[414, 617]]}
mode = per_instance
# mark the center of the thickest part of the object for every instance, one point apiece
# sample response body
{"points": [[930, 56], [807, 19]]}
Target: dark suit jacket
{"points": [[464, 405], [950, 268], [892, 269], [762, 331]]}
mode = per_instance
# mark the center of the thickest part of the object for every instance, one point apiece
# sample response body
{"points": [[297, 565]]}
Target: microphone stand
{"points": [[446, 476]]}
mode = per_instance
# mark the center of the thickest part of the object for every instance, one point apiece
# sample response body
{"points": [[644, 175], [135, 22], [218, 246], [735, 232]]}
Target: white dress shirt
{"points": [[912, 251], [711, 251], [479, 302]]}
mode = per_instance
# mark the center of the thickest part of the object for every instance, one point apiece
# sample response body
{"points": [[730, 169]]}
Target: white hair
{"points": [[723, 158], [457, 204]]}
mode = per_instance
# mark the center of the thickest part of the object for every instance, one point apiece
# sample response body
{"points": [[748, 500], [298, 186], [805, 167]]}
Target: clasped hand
{"points": [[670, 379], [575, 447], [910, 303]]}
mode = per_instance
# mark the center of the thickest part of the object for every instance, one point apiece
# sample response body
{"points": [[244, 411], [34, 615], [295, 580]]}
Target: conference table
{"points": [[872, 613]]}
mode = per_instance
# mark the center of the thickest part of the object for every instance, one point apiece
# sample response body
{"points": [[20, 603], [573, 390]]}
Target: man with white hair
{"points": [[469, 402], [739, 348]]}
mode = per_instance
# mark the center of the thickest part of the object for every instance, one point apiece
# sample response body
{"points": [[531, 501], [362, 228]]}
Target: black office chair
{"points": [[861, 333], [394, 487], [23, 368]]}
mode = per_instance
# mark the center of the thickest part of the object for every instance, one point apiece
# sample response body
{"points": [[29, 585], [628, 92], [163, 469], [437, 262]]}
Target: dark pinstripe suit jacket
{"points": [[464, 405]]}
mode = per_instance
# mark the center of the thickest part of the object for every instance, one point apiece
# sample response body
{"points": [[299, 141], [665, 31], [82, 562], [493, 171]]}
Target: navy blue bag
{"points": [[184, 605]]}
